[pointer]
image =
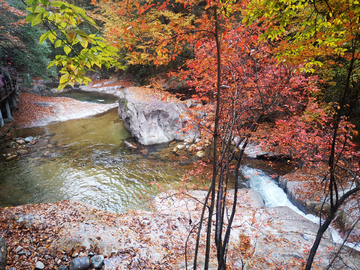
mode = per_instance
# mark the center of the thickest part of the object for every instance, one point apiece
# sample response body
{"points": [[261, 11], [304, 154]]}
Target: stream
{"points": [[87, 160]]}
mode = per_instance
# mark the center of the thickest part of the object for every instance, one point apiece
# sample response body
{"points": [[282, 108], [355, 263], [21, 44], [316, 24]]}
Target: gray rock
{"points": [[42, 90], [80, 263], [28, 139], [39, 265], [3, 253], [151, 120], [19, 249], [63, 267], [97, 261], [25, 220]]}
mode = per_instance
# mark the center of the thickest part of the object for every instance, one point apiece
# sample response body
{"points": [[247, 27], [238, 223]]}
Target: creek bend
{"points": [[87, 161]]}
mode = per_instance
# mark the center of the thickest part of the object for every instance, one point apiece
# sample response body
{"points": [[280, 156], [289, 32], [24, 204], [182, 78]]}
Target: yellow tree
{"points": [[82, 51]]}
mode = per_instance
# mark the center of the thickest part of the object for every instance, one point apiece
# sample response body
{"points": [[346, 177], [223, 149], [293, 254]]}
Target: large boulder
{"points": [[154, 117]]}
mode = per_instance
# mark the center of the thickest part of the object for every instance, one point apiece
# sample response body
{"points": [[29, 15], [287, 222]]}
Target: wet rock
{"points": [[23, 152], [28, 139], [90, 254], [42, 143], [39, 265], [97, 261], [81, 263], [20, 141], [3, 253], [11, 157], [152, 121]]}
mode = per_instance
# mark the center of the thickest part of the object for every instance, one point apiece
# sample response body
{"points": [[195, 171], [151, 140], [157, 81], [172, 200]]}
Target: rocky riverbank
{"points": [[60, 235]]}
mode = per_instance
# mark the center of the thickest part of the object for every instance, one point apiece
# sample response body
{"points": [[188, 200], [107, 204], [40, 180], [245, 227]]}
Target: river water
{"points": [[86, 160]]}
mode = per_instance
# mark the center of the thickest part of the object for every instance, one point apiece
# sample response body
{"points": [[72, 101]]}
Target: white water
{"points": [[274, 196]]}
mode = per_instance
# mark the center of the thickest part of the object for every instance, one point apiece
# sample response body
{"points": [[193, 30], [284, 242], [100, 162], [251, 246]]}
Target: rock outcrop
{"points": [[154, 117], [305, 190], [261, 238], [3, 253]]}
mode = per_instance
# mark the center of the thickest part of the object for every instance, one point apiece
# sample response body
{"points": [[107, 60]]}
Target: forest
{"points": [[281, 74]]}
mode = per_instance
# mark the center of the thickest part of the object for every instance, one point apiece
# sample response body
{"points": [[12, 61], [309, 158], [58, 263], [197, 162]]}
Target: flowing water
{"points": [[86, 160], [274, 196]]}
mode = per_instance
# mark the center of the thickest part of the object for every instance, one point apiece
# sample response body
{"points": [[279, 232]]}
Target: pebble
{"points": [[97, 261], [23, 152], [28, 139], [19, 249], [20, 141], [39, 265], [10, 157]]}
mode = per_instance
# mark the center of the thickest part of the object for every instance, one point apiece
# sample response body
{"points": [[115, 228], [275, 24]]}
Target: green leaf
{"points": [[56, 4], [43, 37], [29, 2], [67, 50], [35, 5], [64, 78], [84, 43], [51, 64], [58, 43], [37, 19], [44, 2], [30, 17], [52, 37]]}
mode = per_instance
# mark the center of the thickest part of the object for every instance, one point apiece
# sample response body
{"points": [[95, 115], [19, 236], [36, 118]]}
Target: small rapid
{"points": [[274, 196]]}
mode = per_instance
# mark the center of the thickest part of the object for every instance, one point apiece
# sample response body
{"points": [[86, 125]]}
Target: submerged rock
{"points": [[152, 120]]}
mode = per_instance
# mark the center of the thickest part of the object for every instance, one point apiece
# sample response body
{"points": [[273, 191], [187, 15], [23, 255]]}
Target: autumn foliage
{"points": [[256, 69]]}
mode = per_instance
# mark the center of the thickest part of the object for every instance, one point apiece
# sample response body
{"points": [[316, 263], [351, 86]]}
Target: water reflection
{"points": [[93, 97], [86, 160]]}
